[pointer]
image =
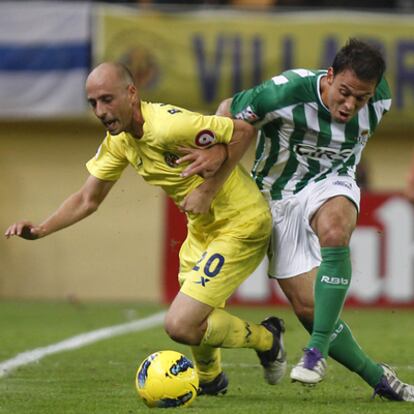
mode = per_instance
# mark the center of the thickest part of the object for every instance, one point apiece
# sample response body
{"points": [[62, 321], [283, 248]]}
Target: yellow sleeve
{"points": [[191, 129], [109, 161]]}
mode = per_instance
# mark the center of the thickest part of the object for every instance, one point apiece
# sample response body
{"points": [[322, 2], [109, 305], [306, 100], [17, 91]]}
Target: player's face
{"points": [[113, 103], [345, 94]]}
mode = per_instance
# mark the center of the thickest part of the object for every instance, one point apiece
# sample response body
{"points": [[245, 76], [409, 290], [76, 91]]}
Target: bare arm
{"points": [[75, 208], [224, 108]]}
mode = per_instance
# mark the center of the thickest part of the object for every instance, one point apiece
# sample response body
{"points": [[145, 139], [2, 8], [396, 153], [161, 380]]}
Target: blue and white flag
{"points": [[44, 58]]}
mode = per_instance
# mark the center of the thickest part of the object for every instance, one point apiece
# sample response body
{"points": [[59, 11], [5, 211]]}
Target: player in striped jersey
{"points": [[313, 126]]}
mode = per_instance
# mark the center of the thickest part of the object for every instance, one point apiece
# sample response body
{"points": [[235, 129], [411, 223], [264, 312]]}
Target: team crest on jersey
{"points": [[171, 159], [248, 115], [205, 138]]}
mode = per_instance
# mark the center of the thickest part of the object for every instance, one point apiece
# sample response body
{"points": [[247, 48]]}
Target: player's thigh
{"points": [[222, 267], [335, 221], [332, 206], [294, 248], [191, 251]]}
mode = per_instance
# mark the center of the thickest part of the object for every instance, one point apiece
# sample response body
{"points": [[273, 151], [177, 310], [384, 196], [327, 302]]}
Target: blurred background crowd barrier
{"points": [[192, 56]]}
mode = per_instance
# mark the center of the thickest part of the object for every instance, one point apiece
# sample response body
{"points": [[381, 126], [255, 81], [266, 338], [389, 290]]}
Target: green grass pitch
{"points": [[99, 378]]}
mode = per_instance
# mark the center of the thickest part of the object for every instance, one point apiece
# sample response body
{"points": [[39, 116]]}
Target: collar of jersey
{"points": [[318, 90]]}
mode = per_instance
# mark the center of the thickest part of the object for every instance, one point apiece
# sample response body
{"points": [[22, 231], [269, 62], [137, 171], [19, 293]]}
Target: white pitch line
{"points": [[79, 341]]}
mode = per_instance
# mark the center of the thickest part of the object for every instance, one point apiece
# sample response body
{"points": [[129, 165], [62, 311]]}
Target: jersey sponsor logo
{"points": [[247, 115], [333, 280], [343, 184], [171, 159], [317, 153], [205, 138]]}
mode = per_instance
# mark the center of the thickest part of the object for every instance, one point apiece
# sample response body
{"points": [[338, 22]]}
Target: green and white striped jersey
{"points": [[298, 141]]}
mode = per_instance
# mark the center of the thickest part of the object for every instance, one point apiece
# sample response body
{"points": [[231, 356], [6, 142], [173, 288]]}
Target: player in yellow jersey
{"points": [[228, 232]]}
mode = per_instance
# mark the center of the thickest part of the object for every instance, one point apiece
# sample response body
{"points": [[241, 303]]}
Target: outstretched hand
{"points": [[204, 162], [24, 229]]}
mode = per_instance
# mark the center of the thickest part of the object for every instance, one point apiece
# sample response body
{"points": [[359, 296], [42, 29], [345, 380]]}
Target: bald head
{"points": [[113, 97], [113, 72]]}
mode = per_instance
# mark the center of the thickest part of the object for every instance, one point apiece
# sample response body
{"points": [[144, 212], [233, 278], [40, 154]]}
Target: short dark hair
{"points": [[365, 60]]}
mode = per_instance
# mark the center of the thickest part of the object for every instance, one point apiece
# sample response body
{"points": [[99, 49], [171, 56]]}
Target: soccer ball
{"points": [[167, 379]]}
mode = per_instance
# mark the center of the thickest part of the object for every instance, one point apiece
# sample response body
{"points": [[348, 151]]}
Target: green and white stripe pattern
{"points": [[298, 141]]}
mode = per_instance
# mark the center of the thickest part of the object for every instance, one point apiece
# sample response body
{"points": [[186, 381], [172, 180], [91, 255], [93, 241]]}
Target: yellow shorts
{"points": [[212, 266]]}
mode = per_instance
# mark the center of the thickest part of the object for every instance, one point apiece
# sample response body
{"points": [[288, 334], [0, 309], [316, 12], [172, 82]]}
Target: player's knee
{"points": [[174, 328], [335, 236], [181, 331]]}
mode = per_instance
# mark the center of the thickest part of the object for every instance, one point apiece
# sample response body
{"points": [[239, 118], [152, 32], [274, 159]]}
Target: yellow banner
{"points": [[195, 60]]}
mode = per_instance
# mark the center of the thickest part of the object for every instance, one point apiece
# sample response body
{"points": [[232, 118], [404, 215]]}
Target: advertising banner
{"points": [[196, 60], [382, 252], [45, 58]]}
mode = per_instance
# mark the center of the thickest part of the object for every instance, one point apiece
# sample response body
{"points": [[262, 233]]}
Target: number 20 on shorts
{"points": [[213, 264]]}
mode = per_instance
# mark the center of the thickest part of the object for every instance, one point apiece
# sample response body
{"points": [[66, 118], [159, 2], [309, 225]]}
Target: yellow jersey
{"points": [[154, 155]]}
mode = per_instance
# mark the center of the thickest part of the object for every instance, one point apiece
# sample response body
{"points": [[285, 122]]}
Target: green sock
{"points": [[332, 283], [344, 348]]}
